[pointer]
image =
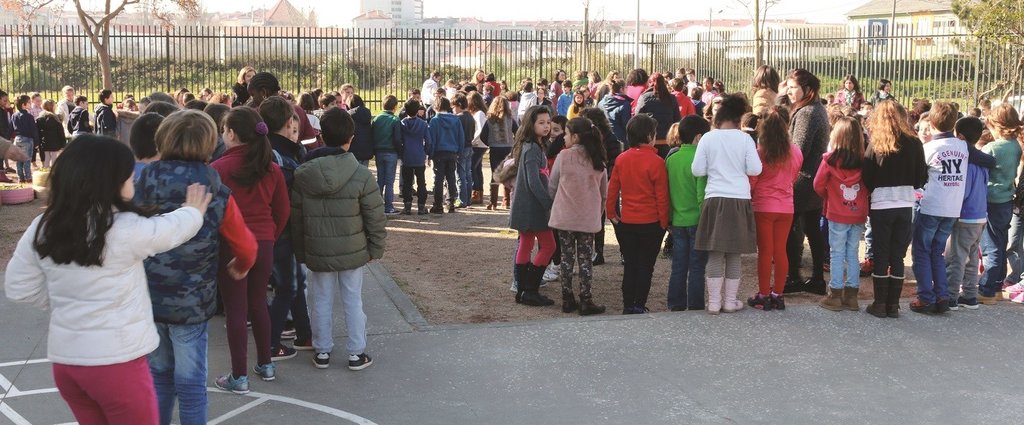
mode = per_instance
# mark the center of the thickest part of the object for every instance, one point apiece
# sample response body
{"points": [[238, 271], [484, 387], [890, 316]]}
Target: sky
{"points": [[341, 12]]}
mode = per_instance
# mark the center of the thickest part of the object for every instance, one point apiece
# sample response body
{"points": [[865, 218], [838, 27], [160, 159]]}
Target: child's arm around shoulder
{"points": [[164, 232], [24, 281], [371, 207]]}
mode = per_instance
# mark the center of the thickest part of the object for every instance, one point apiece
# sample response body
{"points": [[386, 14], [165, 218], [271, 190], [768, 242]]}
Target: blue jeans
{"points": [[387, 162], [843, 240], [289, 284], [930, 236], [320, 298], [686, 284], [179, 370], [27, 145], [465, 169], [993, 248]]}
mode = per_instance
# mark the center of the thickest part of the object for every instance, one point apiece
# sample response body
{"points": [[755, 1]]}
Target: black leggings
{"points": [[807, 224]]}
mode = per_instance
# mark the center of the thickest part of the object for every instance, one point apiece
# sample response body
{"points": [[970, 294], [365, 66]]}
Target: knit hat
{"points": [[265, 80]]}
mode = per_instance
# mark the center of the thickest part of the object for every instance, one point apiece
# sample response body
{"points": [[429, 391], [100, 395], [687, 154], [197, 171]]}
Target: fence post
{"points": [[977, 73], [298, 59], [696, 54], [423, 51], [858, 53], [651, 47], [167, 54], [31, 62], [540, 54]]}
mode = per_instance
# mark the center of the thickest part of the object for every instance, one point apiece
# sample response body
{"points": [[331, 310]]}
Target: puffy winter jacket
{"points": [[664, 111], [362, 145], [618, 110], [414, 143], [526, 100], [337, 218], [106, 121], [79, 121], [51, 132], [446, 134]]}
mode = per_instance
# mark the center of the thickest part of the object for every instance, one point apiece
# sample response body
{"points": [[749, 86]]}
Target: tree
{"points": [[758, 12], [998, 23], [26, 10], [97, 24]]}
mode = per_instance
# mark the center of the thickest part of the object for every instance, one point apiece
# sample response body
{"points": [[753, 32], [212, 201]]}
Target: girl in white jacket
{"points": [[82, 259]]}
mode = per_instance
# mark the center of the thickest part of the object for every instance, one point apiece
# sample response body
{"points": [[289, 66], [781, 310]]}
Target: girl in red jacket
{"points": [[839, 183], [258, 187]]}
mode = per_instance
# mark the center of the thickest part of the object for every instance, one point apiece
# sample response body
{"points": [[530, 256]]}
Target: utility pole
{"points": [[636, 38]]}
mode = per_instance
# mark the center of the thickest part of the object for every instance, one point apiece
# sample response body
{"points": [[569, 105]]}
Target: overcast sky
{"points": [[341, 12]]}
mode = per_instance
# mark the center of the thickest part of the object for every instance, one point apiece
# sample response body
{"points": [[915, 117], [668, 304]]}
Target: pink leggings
{"points": [[544, 238], [120, 393]]}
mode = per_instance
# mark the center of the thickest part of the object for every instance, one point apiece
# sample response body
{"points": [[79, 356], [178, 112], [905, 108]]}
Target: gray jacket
{"points": [[531, 203], [809, 130]]}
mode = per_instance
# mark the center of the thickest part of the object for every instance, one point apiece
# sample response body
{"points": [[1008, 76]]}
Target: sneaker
{"points": [[359, 362], [918, 306], [551, 273], [954, 304], [778, 301], [302, 344], [815, 285], [288, 334], [760, 302], [1014, 293], [514, 287], [322, 360], [391, 213], [968, 303], [229, 383], [794, 285], [266, 372], [282, 353]]}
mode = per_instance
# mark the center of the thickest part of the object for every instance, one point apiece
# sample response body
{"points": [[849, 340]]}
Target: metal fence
{"points": [[380, 62]]}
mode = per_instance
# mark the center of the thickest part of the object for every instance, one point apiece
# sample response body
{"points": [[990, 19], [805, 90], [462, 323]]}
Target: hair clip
{"points": [[261, 129]]}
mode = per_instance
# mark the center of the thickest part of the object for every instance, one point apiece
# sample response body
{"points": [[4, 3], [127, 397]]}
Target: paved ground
{"points": [[801, 366]]}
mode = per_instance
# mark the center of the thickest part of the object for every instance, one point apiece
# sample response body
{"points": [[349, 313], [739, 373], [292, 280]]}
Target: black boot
{"points": [[531, 285], [522, 274], [422, 208], [816, 285], [568, 301], [794, 284], [587, 306], [881, 287], [408, 209], [892, 301]]}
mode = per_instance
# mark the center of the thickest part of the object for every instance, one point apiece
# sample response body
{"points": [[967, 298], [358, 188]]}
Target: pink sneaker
{"points": [[1014, 293]]}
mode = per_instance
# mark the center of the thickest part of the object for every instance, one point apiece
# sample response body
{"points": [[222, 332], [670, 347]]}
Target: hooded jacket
{"points": [[664, 111], [24, 125], [526, 100], [414, 143], [78, 123], [975, 206], [51, 132], [618, 110], [362, 144], [844, 193], [446, 134], [106, 121], [337, 219]]}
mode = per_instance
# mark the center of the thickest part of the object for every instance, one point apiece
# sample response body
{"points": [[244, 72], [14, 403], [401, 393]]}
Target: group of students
{"points": [[136, 244]]}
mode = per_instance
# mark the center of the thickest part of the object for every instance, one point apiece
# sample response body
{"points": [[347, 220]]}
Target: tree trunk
{"points": [[108, 78]]}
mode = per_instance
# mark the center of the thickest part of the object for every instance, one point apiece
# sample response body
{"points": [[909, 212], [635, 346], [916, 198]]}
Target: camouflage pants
{"points": [[577, 246]]}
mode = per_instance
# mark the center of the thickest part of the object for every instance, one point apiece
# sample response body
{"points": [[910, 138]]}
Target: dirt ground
{"points": [[457, 268]]}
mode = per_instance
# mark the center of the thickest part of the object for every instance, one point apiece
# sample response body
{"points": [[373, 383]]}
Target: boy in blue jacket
{"points": [[962, 249], [412, 148], [447, 136]]}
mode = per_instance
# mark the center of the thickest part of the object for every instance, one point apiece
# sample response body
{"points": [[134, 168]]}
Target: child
{"points": [[498, 134], [183, 281], [894, 168], [51, 133], [686, 193], [962, 248], [939, 208], [83, 259], [838, 181], [578, 185], [579, 102], [413, 147], [386, 132], [564, 99], [531, 208], [727, 156], [447, 137], [465, 160], [25, 135], [1004, 124], [78, 122], [639, 178], [257, 185], [772, 202], [143, 141], [337, 227], [106, 121], [556, 145]]}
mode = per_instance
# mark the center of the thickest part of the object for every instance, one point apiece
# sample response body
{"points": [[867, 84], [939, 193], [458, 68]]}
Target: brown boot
{"points": [[850, 299], [881, 288], [493, 205], [476, 198], [587, 306], [892, 301], [506, 202], [833, 300]]}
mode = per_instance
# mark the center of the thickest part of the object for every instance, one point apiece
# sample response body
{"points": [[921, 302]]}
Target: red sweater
{"points": [[238, 237], [640, 178], [265, 205], [685, 105]]}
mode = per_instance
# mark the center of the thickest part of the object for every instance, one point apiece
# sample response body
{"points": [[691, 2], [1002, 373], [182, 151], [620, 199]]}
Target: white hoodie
{"points": [[526, 100]]}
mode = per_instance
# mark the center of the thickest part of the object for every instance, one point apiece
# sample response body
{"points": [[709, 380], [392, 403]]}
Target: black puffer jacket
{"points": [[362, 144], [51, 132]]}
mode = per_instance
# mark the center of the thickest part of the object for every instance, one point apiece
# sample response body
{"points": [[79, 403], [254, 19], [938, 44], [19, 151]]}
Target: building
{"points": [[402, 12], [936, 31]]}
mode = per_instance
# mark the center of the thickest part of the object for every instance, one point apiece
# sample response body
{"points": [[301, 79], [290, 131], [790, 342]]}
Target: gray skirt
{"points": [[727, 225]]}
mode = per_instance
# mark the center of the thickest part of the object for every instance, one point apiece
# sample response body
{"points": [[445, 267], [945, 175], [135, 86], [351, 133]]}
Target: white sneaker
{"points": [[551, 273], [514, 287]]}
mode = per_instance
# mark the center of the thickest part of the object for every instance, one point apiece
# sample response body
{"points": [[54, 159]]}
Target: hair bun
{"points": [[261, 129]]}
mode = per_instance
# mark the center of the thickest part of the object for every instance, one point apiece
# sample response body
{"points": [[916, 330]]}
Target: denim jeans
{"points": [[843, 240], [478, 168], [320, 298], [465, 175], [179, 371], [387, 162], [289, 283], [1015, 249], [993, 248], [930, 236], [686, 284], [26, 144]]}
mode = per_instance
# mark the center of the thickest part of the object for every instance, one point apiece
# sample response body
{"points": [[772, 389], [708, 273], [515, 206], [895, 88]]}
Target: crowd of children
{"points": [[213, 203]]}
